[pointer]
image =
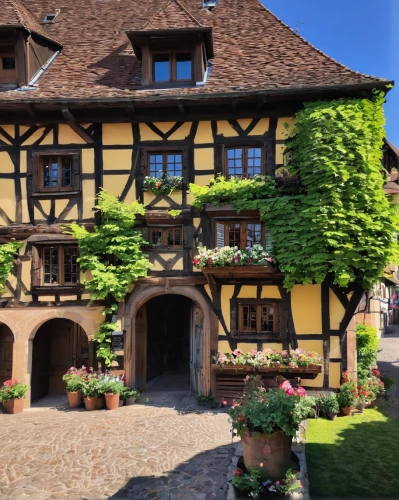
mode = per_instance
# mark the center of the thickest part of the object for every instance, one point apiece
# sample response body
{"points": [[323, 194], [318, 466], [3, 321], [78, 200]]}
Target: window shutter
{"points": [[219, 159], [36, 266], [35, 172], [268, 242], [143, 163], [186, 176], [220, 235], [188, 237], [76, 172]]}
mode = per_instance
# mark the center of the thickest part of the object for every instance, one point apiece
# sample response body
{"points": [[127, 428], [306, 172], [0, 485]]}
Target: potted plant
{"points": [[74, 379], [112, 388], [129, 396], [12, 396], [165, 184], [365, 396], [266, 423], [90, 391], [347, 397], [329, 406]]}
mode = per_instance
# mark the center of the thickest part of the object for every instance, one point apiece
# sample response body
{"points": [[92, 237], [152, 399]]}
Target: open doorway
{"points": [[58, 345], [6, 353]]}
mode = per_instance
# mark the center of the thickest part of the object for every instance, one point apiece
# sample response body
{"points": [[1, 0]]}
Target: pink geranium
{"points": [[301, 392], [237, 352]]}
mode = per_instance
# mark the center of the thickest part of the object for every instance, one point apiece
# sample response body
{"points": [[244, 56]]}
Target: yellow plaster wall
{"points": [[179, 265], [337, 311], [6, 165], [48, 139], [335, 347], [117, 159], [147, 134], [88, 196], [261, 128], [203, 180], [224, 346], [306, 308], [204, 133], [4, 139], [164, 126], [7, 197], [204, 159], [34, 137], [22, 162], [117, 133], [87, 161], [224, 128], [334, 375], [10, 129], [148, 197], [227, 293], [114, 184], [182, 132], [248, 347], [67, 136], [281, 133], [24, 203], [317, 346], [131, 194], [270, 292], [248, 292], [244, 123], [280, 148]]}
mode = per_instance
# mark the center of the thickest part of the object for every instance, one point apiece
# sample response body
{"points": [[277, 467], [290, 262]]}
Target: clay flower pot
{"points": [[361, 407], [14, 405], [112, 401], [271, 450], [130, 401], [347, 410], [74, 399], [332, 416], [100, 401], [91, 403]]}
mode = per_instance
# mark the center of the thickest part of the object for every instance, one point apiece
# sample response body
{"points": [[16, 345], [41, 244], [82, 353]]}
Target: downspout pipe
{"points": [[43, 69]]}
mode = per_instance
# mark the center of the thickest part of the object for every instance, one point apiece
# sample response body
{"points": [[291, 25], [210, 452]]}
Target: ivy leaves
{"points": [[8, 252]]}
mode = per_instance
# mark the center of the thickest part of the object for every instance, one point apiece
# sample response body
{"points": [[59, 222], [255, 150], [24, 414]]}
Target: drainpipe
{"points": [[43, 69]]}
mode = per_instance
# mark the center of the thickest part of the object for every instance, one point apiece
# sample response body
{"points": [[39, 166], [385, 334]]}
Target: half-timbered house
{"points": [[99, 94]]}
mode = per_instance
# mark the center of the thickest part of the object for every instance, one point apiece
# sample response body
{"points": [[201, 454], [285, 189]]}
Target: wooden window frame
{"points": [[237, 328], [243, 231], [38, 267], [164, 153], [4, 54], [172, 66], [164, 235], [38, 167], [244, 148]]}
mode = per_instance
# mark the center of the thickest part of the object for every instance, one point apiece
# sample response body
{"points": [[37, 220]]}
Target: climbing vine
{"points": [[113, 256], [8, 252], [339, 223]]}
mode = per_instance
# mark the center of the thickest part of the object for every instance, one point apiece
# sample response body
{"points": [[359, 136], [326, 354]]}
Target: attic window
{"points": [[50, 18], [172, 67], [209, 4]]}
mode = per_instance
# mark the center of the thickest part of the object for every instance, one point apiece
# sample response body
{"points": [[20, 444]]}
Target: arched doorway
{"points": [[6, 353], [57, 345], [198, 335]]}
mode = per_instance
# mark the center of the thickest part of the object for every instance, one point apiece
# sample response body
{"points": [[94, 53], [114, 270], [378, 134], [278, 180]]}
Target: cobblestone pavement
{"points": [[388, 362], [135, 452]]}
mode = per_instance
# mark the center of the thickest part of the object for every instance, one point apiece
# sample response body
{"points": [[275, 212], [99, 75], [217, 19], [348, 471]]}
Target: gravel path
{"points": [[388, 363]]}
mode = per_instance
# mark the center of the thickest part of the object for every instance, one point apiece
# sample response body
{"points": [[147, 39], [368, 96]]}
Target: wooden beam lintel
{"points": [[73, 123]]}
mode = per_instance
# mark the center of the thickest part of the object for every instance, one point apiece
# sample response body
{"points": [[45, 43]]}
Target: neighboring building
{"points": [[98, 94]]}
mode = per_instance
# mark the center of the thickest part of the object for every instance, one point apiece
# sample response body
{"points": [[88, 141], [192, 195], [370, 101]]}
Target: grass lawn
{"points": [[355, 457]]}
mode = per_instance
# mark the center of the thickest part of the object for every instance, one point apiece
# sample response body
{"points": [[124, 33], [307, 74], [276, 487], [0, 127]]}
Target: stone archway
{"points": [[140, 295]]}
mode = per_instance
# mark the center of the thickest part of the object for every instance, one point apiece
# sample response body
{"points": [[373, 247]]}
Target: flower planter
{"points": [[91, 403], [332, 416], [100, 401], [14, 405], [347, 410], [303, 371], [271, 450], [112, 401], [250, 271], [130, 401], [74, 399]]}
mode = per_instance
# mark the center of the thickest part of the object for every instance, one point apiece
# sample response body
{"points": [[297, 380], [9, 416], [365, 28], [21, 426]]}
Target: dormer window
{"points": [[8, 71], [172, 67]]}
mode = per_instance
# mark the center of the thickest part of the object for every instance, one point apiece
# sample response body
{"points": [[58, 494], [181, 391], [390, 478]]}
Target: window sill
{"points": [[56, 290], [272, 337], [56, 194]]}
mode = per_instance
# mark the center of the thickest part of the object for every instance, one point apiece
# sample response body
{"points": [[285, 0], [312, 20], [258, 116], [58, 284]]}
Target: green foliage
{"points": [[340, 223], [256, 484], [206, 400], [166, 184], [328, 405], [91, 387], [8, 252], [347, 395], [174, 213], [12, 390], [112, 386], [367, 349], [389, 382], [113, 254], [74, 383], [127, 392]]}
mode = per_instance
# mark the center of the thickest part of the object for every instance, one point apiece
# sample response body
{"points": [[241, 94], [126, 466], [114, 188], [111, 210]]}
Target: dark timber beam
{"points": [[131, 111], [350, 311], [182, 111], [73, 123]]}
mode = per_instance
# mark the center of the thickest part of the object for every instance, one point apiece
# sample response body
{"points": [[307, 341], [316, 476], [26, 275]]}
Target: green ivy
{"points": [[8, 253], [113, 254], [340, 223]]}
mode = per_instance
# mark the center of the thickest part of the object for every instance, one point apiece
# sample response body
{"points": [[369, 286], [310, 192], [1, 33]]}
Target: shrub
{"points": [[74, 378], [367, 349], [328, 405], [231, 256], [13, 390], [127, 392], [347, 395]]}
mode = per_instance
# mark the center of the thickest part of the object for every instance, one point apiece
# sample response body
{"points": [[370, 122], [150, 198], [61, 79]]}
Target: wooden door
{"points": [[6, 348], [140, 357], [40, 364], [197, 333]]}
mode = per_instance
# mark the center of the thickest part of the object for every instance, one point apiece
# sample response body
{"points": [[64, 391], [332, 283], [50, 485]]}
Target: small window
{"points": [[172, 67], [167, 237], [170, 163], [50, 18], [57, 266], [244, 161], [8, 63], [239, 234], [8, 70], [56, 173], [258, 318]]}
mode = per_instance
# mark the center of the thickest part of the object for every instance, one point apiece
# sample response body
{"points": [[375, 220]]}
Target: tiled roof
{"points": [[172, 15], [254, 50], [14, 13]]}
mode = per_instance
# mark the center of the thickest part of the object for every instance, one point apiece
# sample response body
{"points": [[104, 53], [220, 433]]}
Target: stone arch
{"points": [[88, 325], [142, 294]]}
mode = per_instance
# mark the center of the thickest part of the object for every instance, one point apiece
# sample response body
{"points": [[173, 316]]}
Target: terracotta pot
{"points": [[14, 405], [100, 401], [112, 401], [130, 401], [273, 450], [360, 407], [347, 410], [121, 402], [91, 403], [332, 416], [74, 399]]}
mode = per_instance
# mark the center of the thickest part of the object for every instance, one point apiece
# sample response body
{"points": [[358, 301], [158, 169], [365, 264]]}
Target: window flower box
{"points": [[233, 257], [165, 184]]}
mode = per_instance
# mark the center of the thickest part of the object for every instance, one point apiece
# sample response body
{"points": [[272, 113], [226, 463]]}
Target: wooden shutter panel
{"points": [[220, 235], [76, 172], [219, 159], [143, 163], [35, 172], [186, 175], [36, 266], [188, 237]]}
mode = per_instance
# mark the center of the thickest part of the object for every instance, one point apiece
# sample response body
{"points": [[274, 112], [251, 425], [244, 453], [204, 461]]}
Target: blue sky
{"points": [[362, 34]]}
